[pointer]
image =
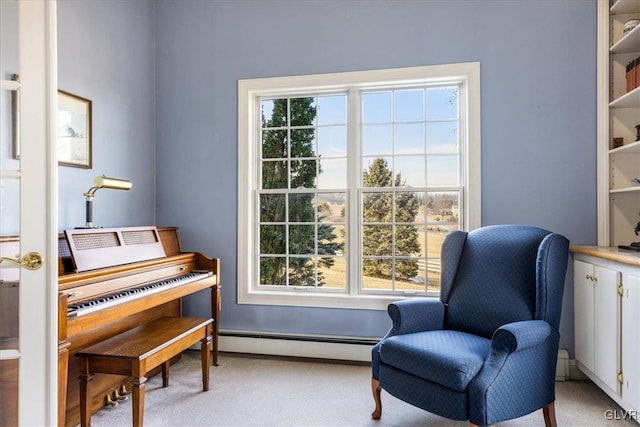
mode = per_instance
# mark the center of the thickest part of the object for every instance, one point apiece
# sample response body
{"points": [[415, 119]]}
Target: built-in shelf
{"points": [[634, 189], [618, 116], [634, 147], [628, 100], [629, 43], [625, 6]]}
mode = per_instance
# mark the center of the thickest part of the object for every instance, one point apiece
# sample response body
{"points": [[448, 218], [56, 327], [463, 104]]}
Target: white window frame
{"points": [[467, 75]]}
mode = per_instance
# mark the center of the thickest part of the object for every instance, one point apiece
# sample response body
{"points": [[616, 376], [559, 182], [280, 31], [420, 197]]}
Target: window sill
{"points": [[329, 300]]}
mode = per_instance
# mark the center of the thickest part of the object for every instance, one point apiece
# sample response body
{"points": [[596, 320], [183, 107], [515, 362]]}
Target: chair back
{"points": [[500, 274]]}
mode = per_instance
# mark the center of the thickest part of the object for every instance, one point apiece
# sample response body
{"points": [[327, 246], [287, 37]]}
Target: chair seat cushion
{"points": [[445, 357]]}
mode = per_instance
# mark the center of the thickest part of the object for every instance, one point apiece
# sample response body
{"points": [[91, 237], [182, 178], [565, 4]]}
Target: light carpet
{"points": [[268, 391]]}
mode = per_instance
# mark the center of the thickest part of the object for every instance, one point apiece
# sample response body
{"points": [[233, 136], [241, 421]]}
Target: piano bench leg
{"points": [[165, 374], [138, 401]]}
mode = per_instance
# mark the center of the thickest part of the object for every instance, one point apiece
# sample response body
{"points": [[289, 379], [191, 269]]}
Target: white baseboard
{"points": [[562, 365], [575, 373]]}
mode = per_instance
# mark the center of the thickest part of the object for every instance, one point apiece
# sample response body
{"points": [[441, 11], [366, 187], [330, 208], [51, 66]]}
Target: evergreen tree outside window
{"points": [[348, 185]]}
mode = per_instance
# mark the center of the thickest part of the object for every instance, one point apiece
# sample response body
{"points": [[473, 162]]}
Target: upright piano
{"points": [[112, 280]]}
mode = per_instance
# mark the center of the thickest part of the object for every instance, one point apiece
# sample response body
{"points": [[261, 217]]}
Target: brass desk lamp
{"points": [[102, 182]]}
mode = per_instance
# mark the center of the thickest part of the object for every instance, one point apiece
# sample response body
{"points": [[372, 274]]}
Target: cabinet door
{"points": [[607, 327], [631, 340], [584, 313]]}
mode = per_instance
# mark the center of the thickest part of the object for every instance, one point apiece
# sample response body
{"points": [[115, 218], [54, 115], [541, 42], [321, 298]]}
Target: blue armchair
{"points": [[486, 350]]}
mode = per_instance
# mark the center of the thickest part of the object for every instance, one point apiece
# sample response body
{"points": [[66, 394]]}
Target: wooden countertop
{"points": [[608, 252]]}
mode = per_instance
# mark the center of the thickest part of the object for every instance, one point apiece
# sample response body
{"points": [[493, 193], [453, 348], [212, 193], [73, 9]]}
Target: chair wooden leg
{"points": [[549, 412], [375, 389]]}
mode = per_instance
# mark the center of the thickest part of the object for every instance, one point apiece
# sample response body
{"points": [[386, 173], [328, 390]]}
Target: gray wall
{"points": [[106, 53], [538, 65]]}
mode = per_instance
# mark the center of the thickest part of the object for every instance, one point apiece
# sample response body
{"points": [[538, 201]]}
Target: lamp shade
{"points": [[113, 183]]}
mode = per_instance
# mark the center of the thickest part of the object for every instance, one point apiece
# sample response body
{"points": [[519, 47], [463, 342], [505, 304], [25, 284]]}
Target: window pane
{"points": [[272, 207], [333, 173], [331, 207], [443, 209], [274, 113], [376, 274], [377, 172], [409, 139], [442, 103], [442, 138], [406, 270], [303, 111], [332, 110], [376, 207], [303, 143], [302, 239], [301, 207], [272, 239], [442, 171], [274, 144], [272, 271], [409, 207], [376, 107], [407, 241], [409, 171], [376, 240], [302, 271], [332, 141], [377, 140], [274, 174], [332, 272], [409, 105], [331, 239], [303, 174]]}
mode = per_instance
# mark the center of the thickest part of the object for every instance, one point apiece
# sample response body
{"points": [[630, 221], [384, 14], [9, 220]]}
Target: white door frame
{"points": [[37, 395]]}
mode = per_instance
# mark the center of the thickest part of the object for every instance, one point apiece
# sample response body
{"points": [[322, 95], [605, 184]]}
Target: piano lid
{"points": [[105, 247]]}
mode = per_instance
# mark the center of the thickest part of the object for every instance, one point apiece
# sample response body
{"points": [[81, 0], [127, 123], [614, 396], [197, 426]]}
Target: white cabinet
{"points": [[598, 321], [631, 347], [618, 116], [607, 319]]}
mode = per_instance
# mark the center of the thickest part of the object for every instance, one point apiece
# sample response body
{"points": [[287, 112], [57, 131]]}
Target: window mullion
{"points": [[354, 242]]}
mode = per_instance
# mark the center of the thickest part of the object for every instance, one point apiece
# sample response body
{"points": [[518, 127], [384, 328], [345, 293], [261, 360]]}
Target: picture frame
{"points": [[74, 130]]}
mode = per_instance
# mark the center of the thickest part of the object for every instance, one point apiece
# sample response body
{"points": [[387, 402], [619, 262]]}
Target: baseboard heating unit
{"points": [[297, 345], [356, 349]]}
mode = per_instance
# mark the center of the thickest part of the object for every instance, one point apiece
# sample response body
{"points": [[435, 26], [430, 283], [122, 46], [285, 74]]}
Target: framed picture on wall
{"points": [[74, 130]]}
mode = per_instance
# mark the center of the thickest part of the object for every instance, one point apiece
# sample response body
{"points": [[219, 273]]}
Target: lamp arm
{"points": [[90, 192]]}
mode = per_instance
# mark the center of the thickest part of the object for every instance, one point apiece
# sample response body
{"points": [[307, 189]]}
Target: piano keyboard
{"points": [[84, 308]]}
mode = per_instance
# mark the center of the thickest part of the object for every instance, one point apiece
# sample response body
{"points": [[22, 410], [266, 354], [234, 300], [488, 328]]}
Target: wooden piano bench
{"points": [[139, 350]]}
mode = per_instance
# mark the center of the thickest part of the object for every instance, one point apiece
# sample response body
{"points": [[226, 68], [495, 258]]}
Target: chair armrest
{"points": [[517, 336], [518, 375], [416, 315]]}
